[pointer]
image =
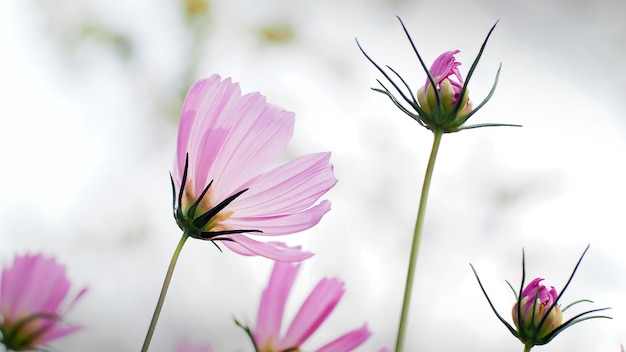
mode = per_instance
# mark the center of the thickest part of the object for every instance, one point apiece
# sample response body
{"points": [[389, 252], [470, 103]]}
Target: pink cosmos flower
{"points": [[226, 142], [32, 295], [187, 346], [536, 302], [315, 309]]}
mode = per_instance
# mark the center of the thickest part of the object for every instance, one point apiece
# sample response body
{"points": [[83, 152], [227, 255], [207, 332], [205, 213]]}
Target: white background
{"points": [[89, 95]]}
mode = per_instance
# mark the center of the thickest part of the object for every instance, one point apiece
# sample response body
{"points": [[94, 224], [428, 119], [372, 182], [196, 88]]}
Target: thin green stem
{"points": [[166, 284], [527, 348], [417, 234]]}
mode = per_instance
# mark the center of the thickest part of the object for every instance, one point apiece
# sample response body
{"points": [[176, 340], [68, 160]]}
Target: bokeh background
{"points": [[90, 93]]}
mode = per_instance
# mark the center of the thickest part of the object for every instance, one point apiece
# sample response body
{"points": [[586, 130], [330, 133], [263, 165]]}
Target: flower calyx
{"points": [[204, 226]]}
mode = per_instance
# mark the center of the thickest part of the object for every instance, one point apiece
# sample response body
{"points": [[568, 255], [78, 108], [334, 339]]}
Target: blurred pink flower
{"points": [[187, 346], [226, 142], [32, 296], [313, 312]]}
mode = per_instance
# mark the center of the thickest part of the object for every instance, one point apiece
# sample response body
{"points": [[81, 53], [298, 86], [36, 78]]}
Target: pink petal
{"points": [[205, 115], [444, 66], [320, 303], [259, 135], [187, 346], [531, 288], [349, 341], [273, 250], [281, 225], [57, 332], [33, 284], [273, 301], [290, 188]]}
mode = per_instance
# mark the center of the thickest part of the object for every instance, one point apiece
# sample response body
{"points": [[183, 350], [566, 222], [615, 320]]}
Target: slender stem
{"points": [[417, 234], [527, 348], [166, 284]]}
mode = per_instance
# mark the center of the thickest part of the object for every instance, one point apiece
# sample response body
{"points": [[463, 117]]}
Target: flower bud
{"points": [[442, 104], [537, 317], [443, 72]]}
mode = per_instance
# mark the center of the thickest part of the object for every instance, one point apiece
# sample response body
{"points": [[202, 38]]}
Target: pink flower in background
{"points": [[222, 188], [187, 346], [313, 312], [33, 301]]}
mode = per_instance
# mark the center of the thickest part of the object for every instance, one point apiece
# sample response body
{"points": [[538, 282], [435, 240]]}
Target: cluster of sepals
{"points": [[196, 226], [439, 119], [532, 336], [13, 338]]}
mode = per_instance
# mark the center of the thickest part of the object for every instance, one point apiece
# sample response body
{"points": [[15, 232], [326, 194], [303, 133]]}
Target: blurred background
{"points": [[89, 98]]}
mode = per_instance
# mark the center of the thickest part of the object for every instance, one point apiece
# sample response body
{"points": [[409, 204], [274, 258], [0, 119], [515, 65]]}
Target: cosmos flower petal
{"points": [[56, 332], [289, 188], [272, 307], [444, 66], [187, 346], [258, 137], [318, 305], [348, 341], [206, 116], [25, 295], [312, 313], [282, 225], [244, 245]]}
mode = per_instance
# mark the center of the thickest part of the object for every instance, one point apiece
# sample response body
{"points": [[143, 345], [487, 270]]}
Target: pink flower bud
{"points": [[444, 71], [536, 303]]}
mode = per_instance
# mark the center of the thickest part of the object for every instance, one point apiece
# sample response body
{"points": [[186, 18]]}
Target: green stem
{"points": [[417, 234], [166, 284], [527, 348]]}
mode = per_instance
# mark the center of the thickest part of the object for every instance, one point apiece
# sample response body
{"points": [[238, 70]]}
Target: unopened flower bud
{"points": [[443, 72], [539, 315]]}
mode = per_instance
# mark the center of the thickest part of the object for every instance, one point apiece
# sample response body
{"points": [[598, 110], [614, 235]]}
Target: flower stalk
{"points": [[166, 284], [417, 236], [442, 105]]}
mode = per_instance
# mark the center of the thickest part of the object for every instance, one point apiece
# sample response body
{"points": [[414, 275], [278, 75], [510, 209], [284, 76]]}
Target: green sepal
{"points": [[493, 308], [248, 332], [528, 335], [576, 319]]}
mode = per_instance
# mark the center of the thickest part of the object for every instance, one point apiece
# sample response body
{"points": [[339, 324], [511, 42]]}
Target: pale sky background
{"points": [[90, 92]]}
